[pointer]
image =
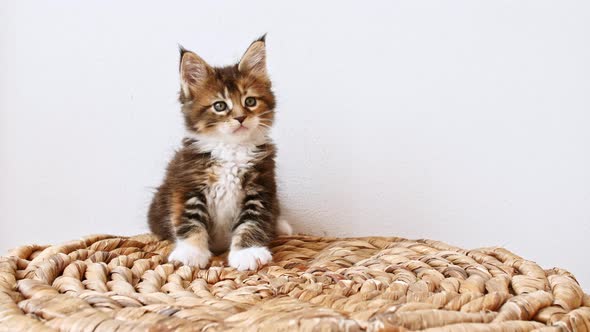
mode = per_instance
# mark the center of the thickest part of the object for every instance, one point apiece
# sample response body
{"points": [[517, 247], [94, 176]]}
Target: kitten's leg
{"points": [[251, 233], [190, 220]]}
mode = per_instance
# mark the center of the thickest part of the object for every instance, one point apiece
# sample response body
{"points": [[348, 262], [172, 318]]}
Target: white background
{"points": [[461, 121]]}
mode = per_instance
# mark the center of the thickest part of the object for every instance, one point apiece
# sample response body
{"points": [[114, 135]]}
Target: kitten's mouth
{"points": [[241, 128]]}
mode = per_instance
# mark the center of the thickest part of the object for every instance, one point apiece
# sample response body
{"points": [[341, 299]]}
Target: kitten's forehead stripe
{"points": [[192, 200], [230, 104]]}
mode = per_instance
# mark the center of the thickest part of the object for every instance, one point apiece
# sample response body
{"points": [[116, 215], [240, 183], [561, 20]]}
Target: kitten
{"points": [[219, 191]]}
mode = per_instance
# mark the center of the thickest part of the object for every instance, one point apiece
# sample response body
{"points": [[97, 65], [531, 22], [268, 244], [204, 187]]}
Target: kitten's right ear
{"points": [[193, 72], [254, 60]]}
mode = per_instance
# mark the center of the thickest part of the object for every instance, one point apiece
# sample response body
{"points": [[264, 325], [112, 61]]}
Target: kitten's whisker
{"points": [[265, 122], [264, 125], [263, 113]]}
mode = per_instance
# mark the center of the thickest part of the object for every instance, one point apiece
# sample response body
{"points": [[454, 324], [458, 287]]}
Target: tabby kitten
{"points": [[219, 191]]}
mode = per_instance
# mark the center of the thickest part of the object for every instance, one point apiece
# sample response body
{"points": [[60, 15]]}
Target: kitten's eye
{"points": [[219, 106], [250, 101]]}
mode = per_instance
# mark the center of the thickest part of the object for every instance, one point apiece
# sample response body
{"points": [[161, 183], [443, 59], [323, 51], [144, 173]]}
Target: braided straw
{"points": [[108, 283]]}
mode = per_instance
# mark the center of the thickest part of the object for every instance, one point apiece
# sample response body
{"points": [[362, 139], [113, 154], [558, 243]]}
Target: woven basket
{"points": [[108, 283]]}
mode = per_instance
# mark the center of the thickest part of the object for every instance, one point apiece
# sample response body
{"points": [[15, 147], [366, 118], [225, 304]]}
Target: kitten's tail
{"points": [[283, 227]]}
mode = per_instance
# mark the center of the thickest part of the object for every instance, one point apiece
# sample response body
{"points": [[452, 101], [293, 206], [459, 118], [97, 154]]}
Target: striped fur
{"points": [[219, 191]]}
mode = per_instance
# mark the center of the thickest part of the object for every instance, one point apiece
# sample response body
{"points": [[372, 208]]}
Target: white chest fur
{"points": [[226, 193]]}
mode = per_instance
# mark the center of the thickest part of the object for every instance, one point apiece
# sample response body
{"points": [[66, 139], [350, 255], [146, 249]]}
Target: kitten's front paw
{"points": [[249, 258], [190, 255]]}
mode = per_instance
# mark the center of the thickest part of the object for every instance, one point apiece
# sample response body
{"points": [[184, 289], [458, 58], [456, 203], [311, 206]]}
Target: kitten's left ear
{"points": [[254, 60]]}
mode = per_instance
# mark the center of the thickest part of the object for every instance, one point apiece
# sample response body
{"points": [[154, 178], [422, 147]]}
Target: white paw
{"points": [[283, 227], [249, 258], [190, 255]]}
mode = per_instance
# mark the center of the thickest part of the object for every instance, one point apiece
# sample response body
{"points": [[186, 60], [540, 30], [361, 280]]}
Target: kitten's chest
{"points": [[226, 191]]}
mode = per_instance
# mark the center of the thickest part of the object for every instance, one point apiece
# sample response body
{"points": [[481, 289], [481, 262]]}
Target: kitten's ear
{"points": [[254, 60], [194, 71]]}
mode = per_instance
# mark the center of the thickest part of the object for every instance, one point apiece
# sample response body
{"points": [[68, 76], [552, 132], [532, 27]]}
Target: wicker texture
{"points": [[107, 283]]}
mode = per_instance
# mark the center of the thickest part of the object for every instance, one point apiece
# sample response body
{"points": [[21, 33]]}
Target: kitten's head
{"points": [[232, 104]]}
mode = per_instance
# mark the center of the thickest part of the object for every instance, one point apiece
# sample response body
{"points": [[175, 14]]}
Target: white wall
{"points": [[462, 121]]}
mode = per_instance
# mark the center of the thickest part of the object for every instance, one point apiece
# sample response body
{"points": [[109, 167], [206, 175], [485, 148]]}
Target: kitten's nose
{"points": [[240, 118]]}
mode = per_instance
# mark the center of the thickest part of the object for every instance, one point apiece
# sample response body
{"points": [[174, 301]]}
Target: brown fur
{"points": [[179, 209]]}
